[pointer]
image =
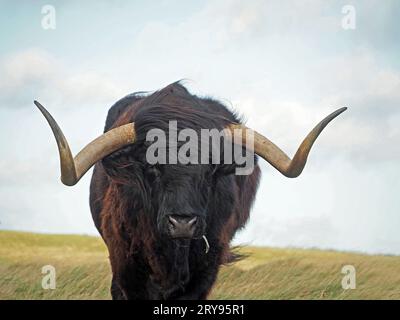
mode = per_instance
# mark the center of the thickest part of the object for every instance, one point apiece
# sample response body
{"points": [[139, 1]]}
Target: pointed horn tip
{"points": [[319, 128], [340, 110], [330, 117], [39, 105], [335, 113]]}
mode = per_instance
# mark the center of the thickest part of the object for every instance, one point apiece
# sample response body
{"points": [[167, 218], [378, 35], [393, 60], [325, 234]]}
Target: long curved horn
{"points": [[274, 155], [72, 169]]}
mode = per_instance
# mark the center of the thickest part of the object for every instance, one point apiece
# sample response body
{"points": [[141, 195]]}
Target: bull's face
{"points": [[176, 196], [180, 196]]}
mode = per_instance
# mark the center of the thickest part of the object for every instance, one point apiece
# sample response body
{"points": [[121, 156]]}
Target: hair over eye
{"points": [[152, 173]]}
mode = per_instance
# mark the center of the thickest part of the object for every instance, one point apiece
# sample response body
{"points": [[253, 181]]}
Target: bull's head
{"points": [[180, 214]]}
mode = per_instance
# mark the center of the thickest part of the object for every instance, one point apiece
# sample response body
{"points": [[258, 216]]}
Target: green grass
{"points": [[83, 271]]}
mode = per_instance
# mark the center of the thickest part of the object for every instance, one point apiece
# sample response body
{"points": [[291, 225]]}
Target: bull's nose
{"points": [[182, 226]]}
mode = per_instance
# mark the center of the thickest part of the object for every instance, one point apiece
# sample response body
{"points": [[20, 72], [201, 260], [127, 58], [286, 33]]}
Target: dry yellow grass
{"points": [[83, 271]]}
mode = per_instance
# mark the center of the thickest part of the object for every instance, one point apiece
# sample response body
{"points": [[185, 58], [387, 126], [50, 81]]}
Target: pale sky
{"points": [[284, 65]]}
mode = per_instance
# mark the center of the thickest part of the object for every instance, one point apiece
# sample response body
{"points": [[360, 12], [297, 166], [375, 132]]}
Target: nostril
{"points": [[181, 226], [182, 221], [173, 221], [192, 222]]}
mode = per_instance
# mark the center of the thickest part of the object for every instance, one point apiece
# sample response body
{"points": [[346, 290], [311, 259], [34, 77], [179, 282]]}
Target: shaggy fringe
{"points": [[235, 255]]}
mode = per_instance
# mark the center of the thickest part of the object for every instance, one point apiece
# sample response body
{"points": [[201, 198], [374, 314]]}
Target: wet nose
{"points": [[182, 226]]}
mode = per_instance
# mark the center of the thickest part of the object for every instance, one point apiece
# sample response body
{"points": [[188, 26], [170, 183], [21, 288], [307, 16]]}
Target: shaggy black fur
{"points": [[129, 200]]}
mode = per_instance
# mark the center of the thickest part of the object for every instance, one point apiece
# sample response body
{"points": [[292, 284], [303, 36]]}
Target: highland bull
{"points": [[168, 226]]}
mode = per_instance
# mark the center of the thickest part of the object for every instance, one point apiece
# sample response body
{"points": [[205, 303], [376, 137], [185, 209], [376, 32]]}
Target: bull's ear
{"points": [[120, 164]]}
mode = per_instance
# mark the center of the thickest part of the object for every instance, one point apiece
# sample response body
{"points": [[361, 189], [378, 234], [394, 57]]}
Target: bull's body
{"points": [[146, 265], [168, 225]]}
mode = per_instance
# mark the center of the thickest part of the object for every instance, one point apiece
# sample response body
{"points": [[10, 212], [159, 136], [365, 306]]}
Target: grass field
{"points": [[83, 271]]}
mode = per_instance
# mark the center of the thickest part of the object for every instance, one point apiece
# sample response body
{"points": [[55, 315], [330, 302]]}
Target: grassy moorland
{"points": [[83, 271]]}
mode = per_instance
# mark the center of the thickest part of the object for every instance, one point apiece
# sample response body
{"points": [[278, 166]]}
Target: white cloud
{"points": [[36, 74], [372, 93], [29, 65]]}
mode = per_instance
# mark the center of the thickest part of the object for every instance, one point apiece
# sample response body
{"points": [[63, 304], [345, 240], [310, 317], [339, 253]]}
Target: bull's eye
{"points": [[152, 174]]}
